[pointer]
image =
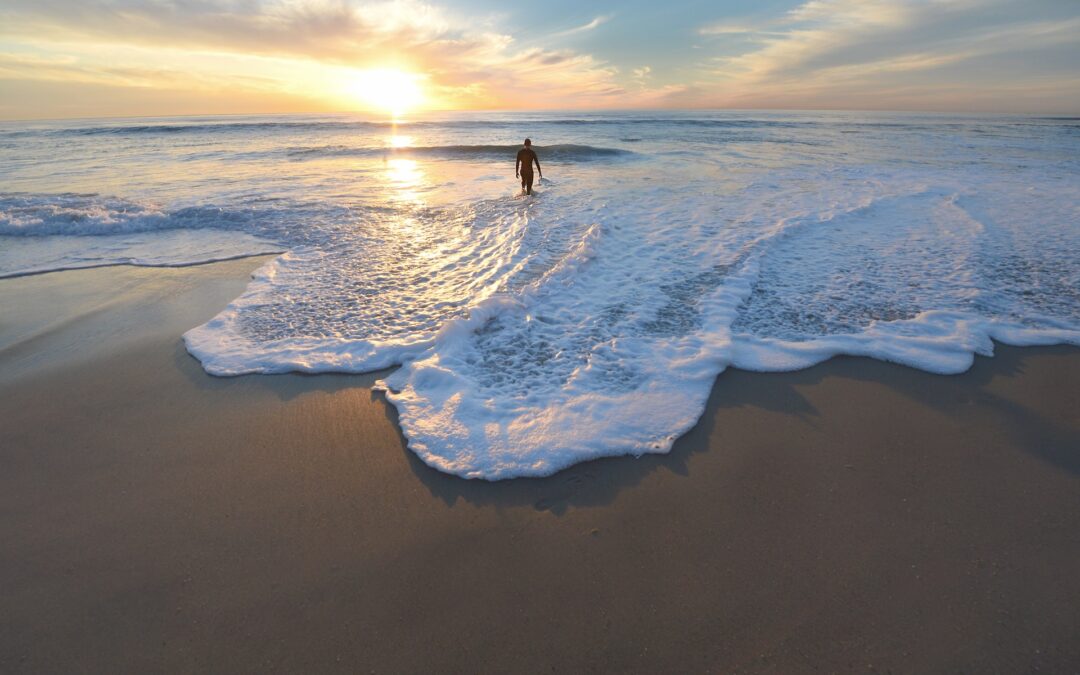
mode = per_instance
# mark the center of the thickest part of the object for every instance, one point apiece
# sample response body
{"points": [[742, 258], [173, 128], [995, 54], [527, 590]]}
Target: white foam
{"points": [[226, 347], [496, 403]]}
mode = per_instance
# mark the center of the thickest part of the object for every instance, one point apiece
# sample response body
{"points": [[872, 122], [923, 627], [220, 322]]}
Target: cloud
{"points": [[323, 29], [467, 63], [995, 54], [592, 25], [862, 53], [726, 28]]}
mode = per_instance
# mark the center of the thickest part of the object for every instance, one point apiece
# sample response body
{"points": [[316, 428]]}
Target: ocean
{"points": [[592, 318]]}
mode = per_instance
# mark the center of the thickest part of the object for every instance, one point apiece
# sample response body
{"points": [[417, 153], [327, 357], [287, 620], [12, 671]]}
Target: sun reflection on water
{"points": [[406, 179]]}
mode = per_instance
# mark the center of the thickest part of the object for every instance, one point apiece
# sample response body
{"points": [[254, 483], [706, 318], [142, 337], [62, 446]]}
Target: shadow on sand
{"points": [[597, 482]]}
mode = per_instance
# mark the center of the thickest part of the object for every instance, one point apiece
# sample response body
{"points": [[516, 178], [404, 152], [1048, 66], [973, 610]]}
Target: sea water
{"points": [[591, 318]]}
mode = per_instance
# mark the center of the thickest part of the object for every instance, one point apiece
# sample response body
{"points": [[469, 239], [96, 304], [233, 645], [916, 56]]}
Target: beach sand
{"points": [[856, 516]]}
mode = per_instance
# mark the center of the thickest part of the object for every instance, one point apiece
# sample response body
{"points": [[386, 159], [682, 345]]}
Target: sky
{"points": [[89, 58]]}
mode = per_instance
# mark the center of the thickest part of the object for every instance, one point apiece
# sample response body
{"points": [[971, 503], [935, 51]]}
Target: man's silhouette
{"points": [[523, 168]]}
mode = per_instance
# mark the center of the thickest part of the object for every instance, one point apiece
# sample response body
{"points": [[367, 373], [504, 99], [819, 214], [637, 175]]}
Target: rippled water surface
{"points": [[591, 318]]}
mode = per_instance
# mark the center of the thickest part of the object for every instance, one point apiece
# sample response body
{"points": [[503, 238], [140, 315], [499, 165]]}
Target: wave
{"points": [[173, 128], [196, 128], [207, 128], [613, 348], [562, 152], [214, 127], [591, 319], [345, 125], [36, 215]]}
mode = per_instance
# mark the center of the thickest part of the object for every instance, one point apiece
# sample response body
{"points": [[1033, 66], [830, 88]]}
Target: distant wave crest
{"points": [[319, 125], [91, 214], [213, 127], [563, 152]]}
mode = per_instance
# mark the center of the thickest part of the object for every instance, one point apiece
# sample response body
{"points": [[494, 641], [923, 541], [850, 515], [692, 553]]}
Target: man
{"points": [[523, 169]]}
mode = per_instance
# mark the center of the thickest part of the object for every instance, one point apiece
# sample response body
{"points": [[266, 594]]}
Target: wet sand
{"points": [[854, 517]]}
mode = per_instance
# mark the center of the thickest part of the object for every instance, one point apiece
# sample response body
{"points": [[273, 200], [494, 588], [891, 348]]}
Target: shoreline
{"points": [[856, 515], [97, 266]]}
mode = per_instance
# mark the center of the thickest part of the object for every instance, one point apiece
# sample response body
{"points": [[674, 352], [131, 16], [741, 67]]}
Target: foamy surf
{"points": [[592, 319]]}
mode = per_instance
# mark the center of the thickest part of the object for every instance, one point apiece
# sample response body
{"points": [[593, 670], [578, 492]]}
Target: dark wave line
{"points": [[564, 152], [525, 124], [227, 127], [234, 127]]}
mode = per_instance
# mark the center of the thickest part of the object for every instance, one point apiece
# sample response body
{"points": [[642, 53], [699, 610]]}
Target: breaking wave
{"points": [[31, 215]]}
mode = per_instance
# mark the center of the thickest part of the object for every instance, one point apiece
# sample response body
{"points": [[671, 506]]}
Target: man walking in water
{"points": [[523, 168]]}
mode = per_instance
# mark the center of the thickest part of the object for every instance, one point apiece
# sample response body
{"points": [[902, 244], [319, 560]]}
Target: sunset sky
{"points": [[76, 58]]}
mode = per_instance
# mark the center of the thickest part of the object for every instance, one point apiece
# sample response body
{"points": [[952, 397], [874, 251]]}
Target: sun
{"points": [[394, 91]]}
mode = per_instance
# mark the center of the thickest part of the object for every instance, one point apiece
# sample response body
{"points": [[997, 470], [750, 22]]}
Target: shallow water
{"points": [[592, 318]]}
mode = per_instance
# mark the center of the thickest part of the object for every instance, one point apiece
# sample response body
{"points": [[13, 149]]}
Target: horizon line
{"points": [[405, 118]]}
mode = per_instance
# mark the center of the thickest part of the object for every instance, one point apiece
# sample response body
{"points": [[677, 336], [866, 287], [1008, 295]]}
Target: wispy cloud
{"points": [[727, 28], [874, 53], [592, 25]]}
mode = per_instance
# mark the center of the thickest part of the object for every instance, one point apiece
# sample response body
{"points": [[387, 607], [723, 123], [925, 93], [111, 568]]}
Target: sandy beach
{"points": [[854, 517]]}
